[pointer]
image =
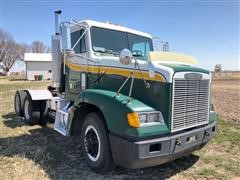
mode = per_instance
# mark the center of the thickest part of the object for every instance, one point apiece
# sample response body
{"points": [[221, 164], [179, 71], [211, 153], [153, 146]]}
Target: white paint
{"points": [[58, 103], [91, 127], [90, 23], [180, 75], [40, 94], [38, 64], [83, 81], [112, 61], [38, 57], [38, 68], [61, 122]]}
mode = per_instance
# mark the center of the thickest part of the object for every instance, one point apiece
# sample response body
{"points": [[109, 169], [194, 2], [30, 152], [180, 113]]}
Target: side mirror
{"points": [[151, 70], [125, 57]]}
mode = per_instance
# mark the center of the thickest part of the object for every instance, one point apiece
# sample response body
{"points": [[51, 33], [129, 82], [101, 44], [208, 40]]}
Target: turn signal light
{"points": [[133, 120]]}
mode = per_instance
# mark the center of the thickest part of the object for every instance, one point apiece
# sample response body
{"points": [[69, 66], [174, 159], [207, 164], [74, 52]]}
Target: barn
{"points": [[38, 65]]}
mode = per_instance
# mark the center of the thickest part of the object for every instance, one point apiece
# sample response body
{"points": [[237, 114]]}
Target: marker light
{"points": [[133, 119]]}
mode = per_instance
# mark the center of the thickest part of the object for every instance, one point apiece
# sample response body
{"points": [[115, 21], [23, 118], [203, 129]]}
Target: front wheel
{"points": [[95, 144]]}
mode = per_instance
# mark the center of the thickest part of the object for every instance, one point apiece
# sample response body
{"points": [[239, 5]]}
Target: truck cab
{"points": [[133, 106]]}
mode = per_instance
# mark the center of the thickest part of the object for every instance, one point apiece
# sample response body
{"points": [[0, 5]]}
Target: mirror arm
{"points": [[147, 85], [132, 81], [130, 75]]}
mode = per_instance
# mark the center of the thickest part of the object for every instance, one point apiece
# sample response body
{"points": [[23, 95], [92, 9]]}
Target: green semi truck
{"points": [[132, 106]]}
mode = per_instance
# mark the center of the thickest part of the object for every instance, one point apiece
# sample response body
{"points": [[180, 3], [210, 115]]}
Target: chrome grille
{"points": [[190, 103]]}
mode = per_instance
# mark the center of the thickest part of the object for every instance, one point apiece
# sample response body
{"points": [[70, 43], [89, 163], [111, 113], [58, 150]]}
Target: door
{"points": [[74, 84]]}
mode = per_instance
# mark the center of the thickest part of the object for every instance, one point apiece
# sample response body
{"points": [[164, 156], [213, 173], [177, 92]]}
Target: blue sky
{"points": [[206, 30]]}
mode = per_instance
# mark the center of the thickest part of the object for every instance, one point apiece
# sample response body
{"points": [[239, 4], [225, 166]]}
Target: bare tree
{"points": [[26, 47], [10, 51], [39, 47]]}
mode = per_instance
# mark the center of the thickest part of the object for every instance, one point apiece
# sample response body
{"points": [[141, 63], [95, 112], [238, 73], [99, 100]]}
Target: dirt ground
{"points": [[35, 152], [226, 98]]}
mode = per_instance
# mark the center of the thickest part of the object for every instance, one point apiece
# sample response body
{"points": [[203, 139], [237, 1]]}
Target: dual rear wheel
{"points": [[34, 112]]}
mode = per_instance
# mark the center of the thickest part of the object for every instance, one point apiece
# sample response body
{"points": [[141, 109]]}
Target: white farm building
{"points": [[38, 64]]}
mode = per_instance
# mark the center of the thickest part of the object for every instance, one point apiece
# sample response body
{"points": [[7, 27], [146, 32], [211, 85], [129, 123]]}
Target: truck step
{"points": [[62, 107]]}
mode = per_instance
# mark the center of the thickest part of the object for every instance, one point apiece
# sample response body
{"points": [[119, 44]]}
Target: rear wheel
{"points": [[19, 102], [44, 117], [95, 144], [31, 110]]}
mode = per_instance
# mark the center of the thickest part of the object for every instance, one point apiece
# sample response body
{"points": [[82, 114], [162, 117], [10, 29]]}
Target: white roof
{"points": [[109, 25], [42, 57]]}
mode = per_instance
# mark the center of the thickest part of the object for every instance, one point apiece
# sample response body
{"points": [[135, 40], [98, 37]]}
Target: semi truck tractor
{"points": [[130, 106]]}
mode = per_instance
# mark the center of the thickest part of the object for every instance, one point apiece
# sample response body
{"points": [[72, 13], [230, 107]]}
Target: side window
{"points": [[81, 45], [140, 49]]}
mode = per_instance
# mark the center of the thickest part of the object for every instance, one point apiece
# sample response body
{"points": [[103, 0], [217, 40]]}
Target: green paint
{"points": [[102, 93], [115, 109]]}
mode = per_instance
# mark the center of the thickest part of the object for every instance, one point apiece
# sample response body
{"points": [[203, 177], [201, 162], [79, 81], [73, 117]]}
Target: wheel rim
{"points": [[92, 143], [17, 104], [26, 109]]}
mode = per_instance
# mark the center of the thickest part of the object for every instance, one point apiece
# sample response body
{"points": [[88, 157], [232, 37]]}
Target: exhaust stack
{"points": [[57, 21], [56, 53]]}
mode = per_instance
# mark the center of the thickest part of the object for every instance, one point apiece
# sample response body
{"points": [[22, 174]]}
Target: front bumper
{"points": [[140, 154]]}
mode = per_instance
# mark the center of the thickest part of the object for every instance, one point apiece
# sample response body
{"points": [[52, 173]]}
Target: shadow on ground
{"points": [[18, 79], [60, 157], [13, 121]]}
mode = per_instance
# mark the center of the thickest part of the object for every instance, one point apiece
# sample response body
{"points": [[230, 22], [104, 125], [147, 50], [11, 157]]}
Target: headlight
{"points": [[145, 119]]}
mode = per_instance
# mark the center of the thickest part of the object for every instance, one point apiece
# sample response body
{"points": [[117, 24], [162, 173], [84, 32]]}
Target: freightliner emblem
{"points": [[194, 76]]}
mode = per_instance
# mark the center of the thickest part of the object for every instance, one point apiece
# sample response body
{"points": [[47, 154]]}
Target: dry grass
{"points": [[35, 152], [226, 97]]}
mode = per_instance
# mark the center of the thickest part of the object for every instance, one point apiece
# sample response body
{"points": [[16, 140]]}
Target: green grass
{"points": [[228, 132], [206, 172], [219, 162]]}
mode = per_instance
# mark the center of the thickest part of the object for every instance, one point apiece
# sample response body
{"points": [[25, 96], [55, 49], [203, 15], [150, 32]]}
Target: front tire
{"points": [[95, 144], [31, 111]]}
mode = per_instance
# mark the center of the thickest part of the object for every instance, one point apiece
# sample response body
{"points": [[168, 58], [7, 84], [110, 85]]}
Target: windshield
{"points": [[112, 41]]}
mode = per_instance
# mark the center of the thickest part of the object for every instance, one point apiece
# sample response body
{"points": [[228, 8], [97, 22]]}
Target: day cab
{"points": [[132, 106]]}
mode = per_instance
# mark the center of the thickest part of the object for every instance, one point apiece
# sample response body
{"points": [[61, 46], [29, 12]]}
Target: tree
{"points": [[10, 51], [39, 47]]}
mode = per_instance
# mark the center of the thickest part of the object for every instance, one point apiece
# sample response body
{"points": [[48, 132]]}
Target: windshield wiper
{"points": [[137, 55]]}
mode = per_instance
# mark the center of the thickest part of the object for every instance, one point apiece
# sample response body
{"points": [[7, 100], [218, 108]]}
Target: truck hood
{"points": [[169, 69]]}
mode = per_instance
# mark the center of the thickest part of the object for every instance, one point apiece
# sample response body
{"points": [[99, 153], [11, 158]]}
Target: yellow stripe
{"points": [[115, 71]]}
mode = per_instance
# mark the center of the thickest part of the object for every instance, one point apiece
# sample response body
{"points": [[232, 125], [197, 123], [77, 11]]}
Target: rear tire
{"points": [[31, 110], [19, 102], [44, 117], [95, 144]]}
